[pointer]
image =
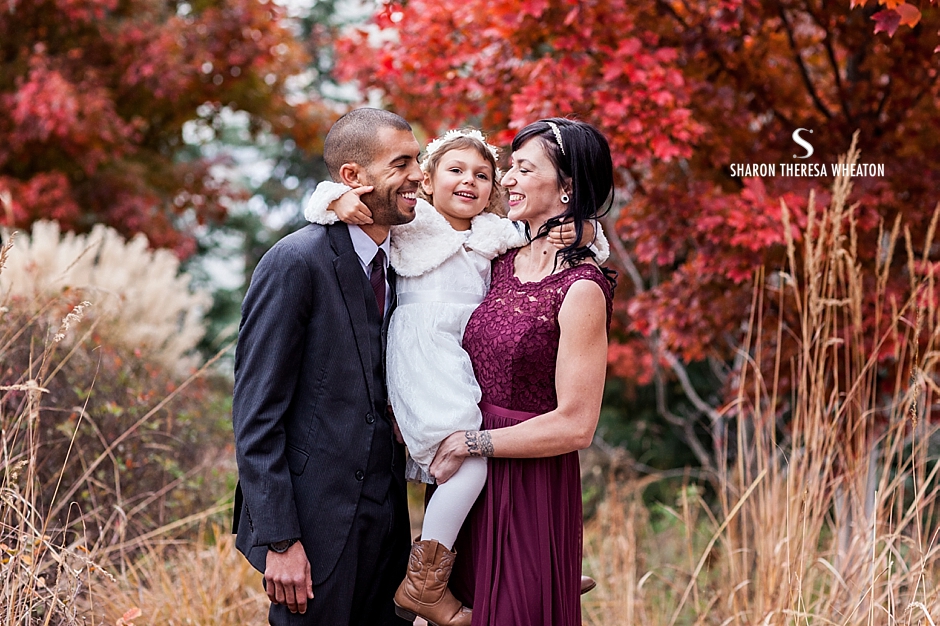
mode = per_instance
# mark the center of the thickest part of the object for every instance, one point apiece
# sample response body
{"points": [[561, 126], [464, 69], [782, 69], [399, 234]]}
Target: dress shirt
{"points": [[365, 250]]}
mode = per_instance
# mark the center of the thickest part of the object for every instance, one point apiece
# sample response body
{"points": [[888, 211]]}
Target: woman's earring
{"points": [[564, 198]]}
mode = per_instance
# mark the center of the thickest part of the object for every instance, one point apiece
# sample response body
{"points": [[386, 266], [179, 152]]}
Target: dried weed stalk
{"points": [[828, 513]]}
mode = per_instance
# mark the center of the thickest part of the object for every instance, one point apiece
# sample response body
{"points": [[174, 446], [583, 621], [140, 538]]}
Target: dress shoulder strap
{"points": [[589, 271]]}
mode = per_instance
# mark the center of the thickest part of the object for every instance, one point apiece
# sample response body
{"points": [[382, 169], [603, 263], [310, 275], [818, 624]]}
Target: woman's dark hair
{"points": [[581, 156]]}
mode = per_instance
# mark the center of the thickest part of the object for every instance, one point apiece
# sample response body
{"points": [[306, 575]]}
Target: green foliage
{"points": [[629, 418]]}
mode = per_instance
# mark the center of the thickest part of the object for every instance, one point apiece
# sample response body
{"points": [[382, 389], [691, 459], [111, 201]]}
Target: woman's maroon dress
{"points": [[519, 553]]}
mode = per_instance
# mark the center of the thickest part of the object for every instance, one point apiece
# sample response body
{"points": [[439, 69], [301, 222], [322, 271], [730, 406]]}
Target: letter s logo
{"points": [[805, 144]]}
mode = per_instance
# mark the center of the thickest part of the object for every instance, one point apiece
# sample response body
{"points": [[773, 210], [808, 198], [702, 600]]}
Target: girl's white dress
{"points": [[443, 274]]}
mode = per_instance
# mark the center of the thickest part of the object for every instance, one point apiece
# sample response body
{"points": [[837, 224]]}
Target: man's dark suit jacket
{"points": [[309, 401]]}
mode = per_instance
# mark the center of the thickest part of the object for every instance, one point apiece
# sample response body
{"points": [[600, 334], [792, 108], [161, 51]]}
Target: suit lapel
{"points": [[353, 286], [392, 278]]}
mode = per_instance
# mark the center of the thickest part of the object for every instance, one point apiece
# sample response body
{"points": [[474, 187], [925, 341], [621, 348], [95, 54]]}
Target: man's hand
{"points": [[287, 578]]}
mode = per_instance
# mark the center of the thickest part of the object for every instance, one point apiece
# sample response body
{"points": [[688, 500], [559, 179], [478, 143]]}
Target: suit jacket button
{"points": [[370, 418], [360, 474]]}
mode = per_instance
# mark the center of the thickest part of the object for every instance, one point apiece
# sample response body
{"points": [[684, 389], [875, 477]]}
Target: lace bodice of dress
{"points": [[512, 337]]}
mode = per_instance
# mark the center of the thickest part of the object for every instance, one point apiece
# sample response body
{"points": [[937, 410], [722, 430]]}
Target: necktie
{"points": [[377, 278]]}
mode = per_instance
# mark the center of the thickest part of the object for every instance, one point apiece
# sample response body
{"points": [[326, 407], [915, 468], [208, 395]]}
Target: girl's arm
{"points": [[579, 382], [512, 236], [335, 201]]}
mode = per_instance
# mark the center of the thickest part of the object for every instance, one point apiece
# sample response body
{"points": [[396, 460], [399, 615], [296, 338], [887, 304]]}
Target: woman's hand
{"points": [[449, 457], [350, 209], [562, 236]]}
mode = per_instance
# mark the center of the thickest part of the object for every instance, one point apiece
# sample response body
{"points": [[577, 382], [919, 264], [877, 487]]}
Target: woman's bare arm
{"points": [[579, 383]]}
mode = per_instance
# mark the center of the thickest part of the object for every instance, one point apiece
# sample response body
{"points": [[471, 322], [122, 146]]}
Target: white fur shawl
{"points": [[317, 209], [429, 240]]}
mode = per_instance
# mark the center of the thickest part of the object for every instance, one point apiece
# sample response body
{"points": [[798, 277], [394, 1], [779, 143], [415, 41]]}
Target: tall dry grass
{"points": [[205, 582], [827, 509], [76, 538], [43, 571], [141, 299]]}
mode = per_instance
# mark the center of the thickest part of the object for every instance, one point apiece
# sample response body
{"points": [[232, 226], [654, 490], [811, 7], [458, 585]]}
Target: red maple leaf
{"points": [[887, 21]]}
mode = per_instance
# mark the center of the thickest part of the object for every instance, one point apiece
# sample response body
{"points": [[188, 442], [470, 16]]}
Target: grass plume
{"points": [[827, 504]]}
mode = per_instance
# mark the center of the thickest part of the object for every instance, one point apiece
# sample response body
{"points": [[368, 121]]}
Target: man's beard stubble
{"points": [[384, 206]]}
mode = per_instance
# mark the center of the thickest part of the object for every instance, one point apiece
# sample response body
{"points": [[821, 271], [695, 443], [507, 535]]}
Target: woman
{"points": [[538, 344]]}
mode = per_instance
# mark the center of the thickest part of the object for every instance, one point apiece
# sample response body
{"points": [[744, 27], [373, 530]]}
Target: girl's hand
{"points": [[350, 209], [562, 236], [449, 457]]}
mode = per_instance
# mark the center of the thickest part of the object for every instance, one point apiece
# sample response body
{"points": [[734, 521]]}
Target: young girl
{"points": [[442, 259]]}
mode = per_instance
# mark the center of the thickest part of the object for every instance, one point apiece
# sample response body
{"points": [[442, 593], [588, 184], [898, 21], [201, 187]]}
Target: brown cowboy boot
{"points": [[424, 591], [587, 583]]}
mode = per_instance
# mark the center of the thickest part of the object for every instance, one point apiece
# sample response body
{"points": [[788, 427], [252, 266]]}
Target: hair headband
{"points": [[557, 132], [472, 133]]}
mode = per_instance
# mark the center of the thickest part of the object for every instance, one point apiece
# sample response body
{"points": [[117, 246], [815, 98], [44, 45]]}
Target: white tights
{"points": [[452, 500]]}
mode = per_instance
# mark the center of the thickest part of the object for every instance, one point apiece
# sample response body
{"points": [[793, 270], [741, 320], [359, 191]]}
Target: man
{"points": [[320, 507]]}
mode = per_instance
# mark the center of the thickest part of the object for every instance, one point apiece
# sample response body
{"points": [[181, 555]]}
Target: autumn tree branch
{"points": [[884, 99], [804, 73], [620, 251], [833, 62], [683, 376], [686, 424], [702, 34]]}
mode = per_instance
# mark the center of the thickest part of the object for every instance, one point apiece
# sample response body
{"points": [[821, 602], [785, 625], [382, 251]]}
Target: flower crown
{"points": [[472, 133]]}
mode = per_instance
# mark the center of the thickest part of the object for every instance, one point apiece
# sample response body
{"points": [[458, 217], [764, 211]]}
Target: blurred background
{"points": [[767, 449]]}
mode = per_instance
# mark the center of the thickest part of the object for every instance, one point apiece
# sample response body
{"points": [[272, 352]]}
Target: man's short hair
{"points": [[354, 137]]}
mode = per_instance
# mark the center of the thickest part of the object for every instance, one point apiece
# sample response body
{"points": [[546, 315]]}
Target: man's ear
{"points": [[426, 184], [351, 174]]}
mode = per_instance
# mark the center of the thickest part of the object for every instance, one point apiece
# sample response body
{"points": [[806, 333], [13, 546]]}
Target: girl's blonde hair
{"points": [[456, 141]]}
